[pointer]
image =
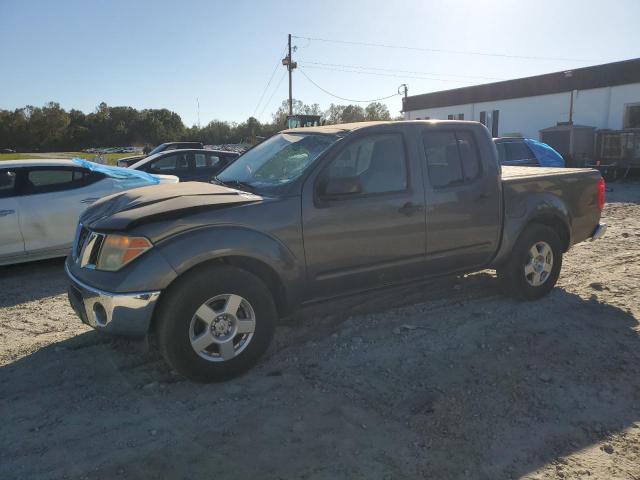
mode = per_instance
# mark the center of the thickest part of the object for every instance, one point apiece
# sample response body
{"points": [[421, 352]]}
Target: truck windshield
{"points": [[276, 161]]}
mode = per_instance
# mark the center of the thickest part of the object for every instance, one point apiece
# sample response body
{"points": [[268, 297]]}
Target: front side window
{"points": [[452, 158], [7, 183], [378, 161], [278, 160]]}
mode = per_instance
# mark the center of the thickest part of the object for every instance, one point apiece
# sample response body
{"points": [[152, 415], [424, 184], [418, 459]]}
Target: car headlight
{"points": [[119, 250]]}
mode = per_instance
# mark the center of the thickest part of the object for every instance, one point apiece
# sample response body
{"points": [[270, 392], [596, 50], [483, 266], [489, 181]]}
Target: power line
{"points": [[437, 50], [390, 75], [363, 67], [343, 98], [273, 93], [267, 87]]}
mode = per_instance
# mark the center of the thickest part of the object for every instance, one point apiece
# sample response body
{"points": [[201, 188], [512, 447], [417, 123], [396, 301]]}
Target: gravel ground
{"points": [[439, 380]]}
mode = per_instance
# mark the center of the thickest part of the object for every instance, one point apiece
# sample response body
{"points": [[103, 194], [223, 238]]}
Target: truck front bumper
{"points": [[127, 314], [599, 232]]}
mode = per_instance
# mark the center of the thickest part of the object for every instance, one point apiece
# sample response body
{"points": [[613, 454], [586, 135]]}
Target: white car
{"points": [[41, 201]]}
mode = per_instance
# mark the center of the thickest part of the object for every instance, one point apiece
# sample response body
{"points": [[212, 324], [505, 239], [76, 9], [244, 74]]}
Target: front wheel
{"points": [[215, 323], [534, 266]]}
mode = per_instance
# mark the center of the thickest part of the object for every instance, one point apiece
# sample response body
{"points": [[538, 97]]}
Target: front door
{"points": [[463, 198], [11, 243], [369, 238]]}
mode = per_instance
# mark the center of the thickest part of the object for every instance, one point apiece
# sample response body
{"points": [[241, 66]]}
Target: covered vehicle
{"points": [[527, 152], [41, 200]]}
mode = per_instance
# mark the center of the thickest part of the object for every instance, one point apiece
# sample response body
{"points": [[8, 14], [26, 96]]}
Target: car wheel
{"points": [[215, 323], [534, 266]]}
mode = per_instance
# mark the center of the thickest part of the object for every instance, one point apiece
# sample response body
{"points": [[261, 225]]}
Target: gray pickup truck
{"points": [[311, 214]]}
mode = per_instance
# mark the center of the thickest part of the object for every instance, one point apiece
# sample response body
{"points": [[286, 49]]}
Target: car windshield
{"points": [[276, 161]]}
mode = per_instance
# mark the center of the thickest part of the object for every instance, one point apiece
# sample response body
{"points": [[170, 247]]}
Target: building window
{"points": [[489, 119], [632, 115], [456, 116]]}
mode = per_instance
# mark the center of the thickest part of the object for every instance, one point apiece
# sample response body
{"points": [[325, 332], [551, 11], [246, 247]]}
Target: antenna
{"points": [[198, 102]]}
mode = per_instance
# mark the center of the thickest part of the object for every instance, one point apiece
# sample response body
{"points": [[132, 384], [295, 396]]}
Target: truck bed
{"points": [[573, 191]]}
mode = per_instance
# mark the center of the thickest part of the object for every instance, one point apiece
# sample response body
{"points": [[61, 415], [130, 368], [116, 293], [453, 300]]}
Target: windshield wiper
{"points": [[235, 184]]}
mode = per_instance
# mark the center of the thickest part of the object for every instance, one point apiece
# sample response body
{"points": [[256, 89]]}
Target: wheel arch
{"points": [[557, 224], [257, 267]]}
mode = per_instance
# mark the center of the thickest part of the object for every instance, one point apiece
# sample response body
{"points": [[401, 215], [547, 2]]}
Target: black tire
{"points": [[188, 294], [512, 275]]}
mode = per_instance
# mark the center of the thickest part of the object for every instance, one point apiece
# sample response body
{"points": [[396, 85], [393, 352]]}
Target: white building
{"points": [[603, 96]]}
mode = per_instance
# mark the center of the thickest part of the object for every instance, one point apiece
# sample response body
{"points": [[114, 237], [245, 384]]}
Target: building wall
{"points": [[599, 107]]}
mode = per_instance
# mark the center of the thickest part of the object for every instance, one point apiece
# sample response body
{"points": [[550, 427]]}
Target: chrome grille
{"points": [[88, 247], [81, 237]]}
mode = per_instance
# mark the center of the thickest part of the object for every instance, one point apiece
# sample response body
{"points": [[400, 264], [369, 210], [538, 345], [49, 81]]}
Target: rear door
{"points": [[370, 238], [463, 198], [51, 201], [177, 164], [11, 242]]}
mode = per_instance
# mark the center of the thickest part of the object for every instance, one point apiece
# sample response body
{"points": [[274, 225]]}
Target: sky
{"points": [[222, 54]]}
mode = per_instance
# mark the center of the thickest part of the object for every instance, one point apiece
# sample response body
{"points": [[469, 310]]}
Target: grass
{"points": [[111, 158]]}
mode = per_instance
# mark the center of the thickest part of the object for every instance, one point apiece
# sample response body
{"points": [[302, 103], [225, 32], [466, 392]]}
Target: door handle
{"points": [[409, 208], [89, 200], [4, 213]]}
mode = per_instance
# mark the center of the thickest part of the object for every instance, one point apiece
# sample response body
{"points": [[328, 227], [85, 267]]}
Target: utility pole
{"points": [[291, 65], [403, 89]]}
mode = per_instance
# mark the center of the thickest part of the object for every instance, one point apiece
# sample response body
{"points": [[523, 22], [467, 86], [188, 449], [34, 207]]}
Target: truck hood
{"points": [[123, 211]]}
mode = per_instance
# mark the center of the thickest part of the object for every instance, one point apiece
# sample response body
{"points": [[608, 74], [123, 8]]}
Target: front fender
{"points": [[196, 246]]}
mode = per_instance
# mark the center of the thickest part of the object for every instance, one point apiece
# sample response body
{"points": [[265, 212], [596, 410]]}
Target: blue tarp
{"points": [[547, 156], [127, 177]]}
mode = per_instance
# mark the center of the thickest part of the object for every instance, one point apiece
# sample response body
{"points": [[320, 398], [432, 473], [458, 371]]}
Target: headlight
{"points": [[119, 250]]}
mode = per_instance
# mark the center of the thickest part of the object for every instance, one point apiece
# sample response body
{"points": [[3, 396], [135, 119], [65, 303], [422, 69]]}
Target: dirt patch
{"points": [[439, 380]]}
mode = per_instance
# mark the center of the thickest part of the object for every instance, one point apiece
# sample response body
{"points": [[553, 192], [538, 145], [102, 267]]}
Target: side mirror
{"points": [[340, 187]]}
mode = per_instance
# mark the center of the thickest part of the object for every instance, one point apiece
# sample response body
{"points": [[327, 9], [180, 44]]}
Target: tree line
{"points": [[52, 128]]}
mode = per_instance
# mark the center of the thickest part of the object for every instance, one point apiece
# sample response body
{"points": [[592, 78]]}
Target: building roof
{"points": [[598, 76]]}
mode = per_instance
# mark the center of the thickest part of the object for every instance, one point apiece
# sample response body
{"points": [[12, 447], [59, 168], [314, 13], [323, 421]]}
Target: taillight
{"points": [[601, 195]]}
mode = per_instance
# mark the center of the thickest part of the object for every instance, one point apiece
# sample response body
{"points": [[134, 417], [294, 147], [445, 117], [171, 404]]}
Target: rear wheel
{"points": [[534, 266], [215, 323]]}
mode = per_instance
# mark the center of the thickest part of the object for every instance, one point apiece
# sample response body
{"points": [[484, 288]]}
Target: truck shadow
{"points": [[443, 380], [30, 281]]}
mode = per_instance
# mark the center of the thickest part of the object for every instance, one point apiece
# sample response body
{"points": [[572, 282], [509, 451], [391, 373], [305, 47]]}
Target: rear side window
{"points": [[7, 183], [203, 160], [171, 163], [452, 158], [46, 180], [443, 159], [517, 151], [378, 160], [469, 155]]}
